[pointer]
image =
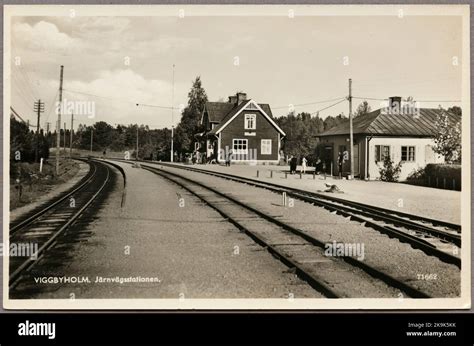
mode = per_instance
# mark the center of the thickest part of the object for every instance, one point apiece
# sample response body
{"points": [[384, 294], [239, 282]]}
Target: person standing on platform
{"points": [[304, 162], [229, 158], [340, 161], [293, 164]]}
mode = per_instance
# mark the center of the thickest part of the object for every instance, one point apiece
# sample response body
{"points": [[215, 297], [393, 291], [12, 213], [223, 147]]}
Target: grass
{"points": [[27, 184]]}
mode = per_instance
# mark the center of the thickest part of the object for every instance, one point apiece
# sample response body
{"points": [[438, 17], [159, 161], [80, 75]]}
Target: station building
{"points": [[242, 127], [407, 136]]}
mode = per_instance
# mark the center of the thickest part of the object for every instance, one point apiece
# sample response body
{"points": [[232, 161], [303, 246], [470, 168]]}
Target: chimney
{"points": [[241, 97], [395, 104], [233, 99]]}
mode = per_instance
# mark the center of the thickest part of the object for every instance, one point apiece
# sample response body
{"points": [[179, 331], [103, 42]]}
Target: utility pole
{"points": [[136, 155], [172, 120], [70, 135], [64, 140], [92, 138], [58, 135], [351, 135], [38, 108], [47, 127]]}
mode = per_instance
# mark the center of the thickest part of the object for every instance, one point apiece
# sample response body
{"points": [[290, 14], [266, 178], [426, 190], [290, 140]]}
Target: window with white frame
{"points": [[240, 146], [408, 153], [381, 152], [266, 147], [250, 121]]}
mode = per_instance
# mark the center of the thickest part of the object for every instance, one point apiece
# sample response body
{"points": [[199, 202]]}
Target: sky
{"points": [[116, 62]]}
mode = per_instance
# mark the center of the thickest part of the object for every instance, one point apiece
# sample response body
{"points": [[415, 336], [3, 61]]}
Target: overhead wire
{"points": [[118, 99], [19, 117], [330, 106], [310, 103]]}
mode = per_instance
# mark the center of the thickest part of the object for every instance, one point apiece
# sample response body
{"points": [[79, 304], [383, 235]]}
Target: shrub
{"points": [[417, 174], [449, 173], [390, 172], [437, 175]]}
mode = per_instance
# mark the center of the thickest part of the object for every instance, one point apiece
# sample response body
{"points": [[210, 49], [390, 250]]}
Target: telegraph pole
{"points": [[39, 108], [136, 155], [64, 140], [172, 119], [92, 138], [351, 135], [70, 135], [58, 135]]}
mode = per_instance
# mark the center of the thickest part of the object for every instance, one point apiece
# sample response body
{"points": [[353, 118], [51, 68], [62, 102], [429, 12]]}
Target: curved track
{"points": [[45, 224]]}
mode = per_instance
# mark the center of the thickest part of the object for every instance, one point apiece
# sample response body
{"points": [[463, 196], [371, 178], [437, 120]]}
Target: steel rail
{"points": [[28, 263], [391, 281], [314, 198], [88, 178], [263, 184]]}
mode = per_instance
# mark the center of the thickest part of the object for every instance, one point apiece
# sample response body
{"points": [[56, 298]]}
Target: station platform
{"points": [[419, 200]]}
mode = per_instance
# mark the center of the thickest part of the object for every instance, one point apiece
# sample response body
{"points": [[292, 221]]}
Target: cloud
{"points": [[116, 93], [117, 82], [103, 25], [42, 36]]}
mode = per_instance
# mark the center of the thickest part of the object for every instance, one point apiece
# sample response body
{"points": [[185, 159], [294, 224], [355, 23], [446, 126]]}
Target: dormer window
{"points": [[250, 121]]}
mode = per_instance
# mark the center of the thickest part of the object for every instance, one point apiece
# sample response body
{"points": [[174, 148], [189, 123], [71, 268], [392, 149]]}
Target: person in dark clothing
{"points": [[293, 164], [340, 161], [317, 166]]}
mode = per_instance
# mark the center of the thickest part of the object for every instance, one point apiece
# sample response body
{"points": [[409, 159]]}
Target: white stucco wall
{"points": [[423, 154]]}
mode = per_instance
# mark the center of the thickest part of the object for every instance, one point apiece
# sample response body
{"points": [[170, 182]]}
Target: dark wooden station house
{"points": [[241, 127]]}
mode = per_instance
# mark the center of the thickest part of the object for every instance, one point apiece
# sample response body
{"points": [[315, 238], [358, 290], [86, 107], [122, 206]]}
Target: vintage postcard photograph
{"points": [[276, 157]]}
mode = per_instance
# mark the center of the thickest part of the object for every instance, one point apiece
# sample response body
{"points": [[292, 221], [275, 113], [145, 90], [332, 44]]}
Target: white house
{"points": [[407, 136]]}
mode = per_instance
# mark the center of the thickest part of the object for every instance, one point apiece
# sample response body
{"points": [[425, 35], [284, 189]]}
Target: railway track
{"points": [[295, 248], [45, 224], [420, 232]]}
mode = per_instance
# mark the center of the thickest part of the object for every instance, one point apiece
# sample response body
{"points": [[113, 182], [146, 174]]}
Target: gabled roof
{"points": [[217, 110], [378, 123], [263, 108], [227, 117]]}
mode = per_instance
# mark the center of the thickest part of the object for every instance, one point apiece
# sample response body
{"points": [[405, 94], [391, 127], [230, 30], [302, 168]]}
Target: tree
{"points": [[455, 110], [301, 132], [330, 121], [362, 109], [43, 148], [103, 135], [190, 118], [448, 137], [22, 142]]}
